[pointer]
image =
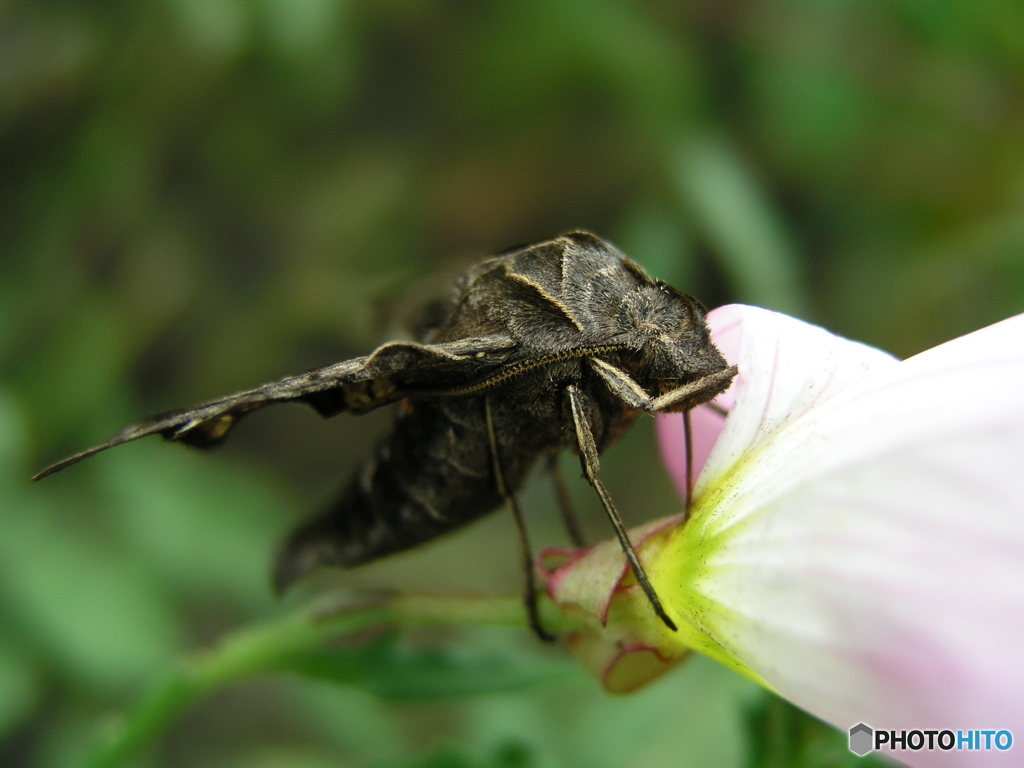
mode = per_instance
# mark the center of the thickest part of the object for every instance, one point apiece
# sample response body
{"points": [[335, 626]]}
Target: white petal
{"points": [[786, 367], [866, 556]]}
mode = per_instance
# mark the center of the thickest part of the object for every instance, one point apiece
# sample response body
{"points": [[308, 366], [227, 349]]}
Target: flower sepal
{"points": [[625, 646]]}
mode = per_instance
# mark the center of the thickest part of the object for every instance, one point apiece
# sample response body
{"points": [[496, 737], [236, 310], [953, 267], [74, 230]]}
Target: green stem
{"points": [[265, 648]]}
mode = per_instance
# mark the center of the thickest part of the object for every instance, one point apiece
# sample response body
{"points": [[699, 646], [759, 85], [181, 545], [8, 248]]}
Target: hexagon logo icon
{"points": [[861, 737]]}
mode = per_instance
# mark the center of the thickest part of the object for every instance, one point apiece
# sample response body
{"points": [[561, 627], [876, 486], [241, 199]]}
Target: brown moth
{"points": [[556, 345]]}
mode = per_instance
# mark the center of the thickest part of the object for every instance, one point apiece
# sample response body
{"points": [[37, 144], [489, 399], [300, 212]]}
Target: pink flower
{"points": [[856, 541]]}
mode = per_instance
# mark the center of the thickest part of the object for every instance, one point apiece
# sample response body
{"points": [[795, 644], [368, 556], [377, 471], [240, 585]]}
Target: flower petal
{"points": [[785, 368], [859, 541]]}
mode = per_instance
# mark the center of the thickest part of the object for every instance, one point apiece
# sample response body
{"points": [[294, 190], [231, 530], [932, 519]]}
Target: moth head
{"points": [[668, 341]]}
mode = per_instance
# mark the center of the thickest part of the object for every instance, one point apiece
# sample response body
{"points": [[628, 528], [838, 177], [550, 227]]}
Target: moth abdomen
{"points": [[430, 475]]}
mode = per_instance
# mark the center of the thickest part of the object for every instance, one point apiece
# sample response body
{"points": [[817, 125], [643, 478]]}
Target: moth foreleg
{"points": [[589, 461], [682, 398], [530, 595], [694, 393], [572, 522], [622, 385]]}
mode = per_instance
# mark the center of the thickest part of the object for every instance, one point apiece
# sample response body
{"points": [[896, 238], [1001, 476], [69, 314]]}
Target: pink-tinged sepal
{"points": [[625, 646]]}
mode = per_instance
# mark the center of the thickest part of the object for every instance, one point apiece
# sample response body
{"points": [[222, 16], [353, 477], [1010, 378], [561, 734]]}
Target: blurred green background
{"points": [[200, 195]]}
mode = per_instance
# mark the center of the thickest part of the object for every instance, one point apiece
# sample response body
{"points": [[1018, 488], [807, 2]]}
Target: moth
{"points": [[557, 345]]}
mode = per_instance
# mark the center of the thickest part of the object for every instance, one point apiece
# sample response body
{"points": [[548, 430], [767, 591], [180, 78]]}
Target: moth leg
{"points": [[530, 595], [589, 462], [572, 523], [688, 447], [681, 398], [695, 393], [622, 385]]}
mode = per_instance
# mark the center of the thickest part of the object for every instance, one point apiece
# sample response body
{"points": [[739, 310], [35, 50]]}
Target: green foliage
{"points": [[786, 737], [200, 195], [391, 669]]}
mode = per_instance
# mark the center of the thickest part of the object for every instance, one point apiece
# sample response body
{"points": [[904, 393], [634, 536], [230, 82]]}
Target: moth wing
{"points": [[390, 372]]}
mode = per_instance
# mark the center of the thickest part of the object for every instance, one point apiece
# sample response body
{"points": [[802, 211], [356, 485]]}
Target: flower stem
{"points": [[266, 648]]}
